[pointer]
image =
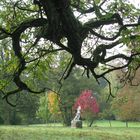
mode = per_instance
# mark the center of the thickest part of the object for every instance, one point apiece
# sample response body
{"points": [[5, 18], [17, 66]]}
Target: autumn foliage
{"points": [[53, 103], [88, 103], [126, 105]]}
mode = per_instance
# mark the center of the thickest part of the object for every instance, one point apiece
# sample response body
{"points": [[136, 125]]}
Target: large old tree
{"points": [[88, 30]]}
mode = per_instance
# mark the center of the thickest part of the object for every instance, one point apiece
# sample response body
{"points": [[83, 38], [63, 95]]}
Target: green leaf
{"points": [[97, 1]]}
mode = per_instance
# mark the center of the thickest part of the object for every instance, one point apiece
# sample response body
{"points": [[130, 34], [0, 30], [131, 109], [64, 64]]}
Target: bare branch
{"points": [[4, 33], [109, 86], [17, 49], [6, 96], [119, 67], [122, 56], [67, 69], [44, 53]]}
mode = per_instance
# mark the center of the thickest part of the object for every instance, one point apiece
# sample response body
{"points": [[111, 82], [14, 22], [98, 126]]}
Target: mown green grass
{"points": [[58, 132], [105, 123]]}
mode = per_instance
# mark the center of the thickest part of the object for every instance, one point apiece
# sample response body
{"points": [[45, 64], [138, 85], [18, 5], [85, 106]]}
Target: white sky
{"points": [[136, 2]]}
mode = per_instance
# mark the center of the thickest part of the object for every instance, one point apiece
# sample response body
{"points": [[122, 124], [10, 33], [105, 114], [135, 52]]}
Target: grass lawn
{"points": [[100, 131], [115, 124]]}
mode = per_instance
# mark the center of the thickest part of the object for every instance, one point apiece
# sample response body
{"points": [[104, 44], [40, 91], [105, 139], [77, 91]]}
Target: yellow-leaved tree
{"points": [[48, 110], [53, 106]]}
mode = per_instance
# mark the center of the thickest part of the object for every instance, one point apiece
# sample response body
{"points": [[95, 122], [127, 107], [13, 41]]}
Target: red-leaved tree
{"points": [[88, 104]]}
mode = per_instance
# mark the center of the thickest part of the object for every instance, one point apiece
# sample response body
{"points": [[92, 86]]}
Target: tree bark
{"points": [[91, 122]]}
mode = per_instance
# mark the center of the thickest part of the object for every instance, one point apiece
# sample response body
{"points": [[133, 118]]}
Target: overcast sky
{"points": [[136, 2]]}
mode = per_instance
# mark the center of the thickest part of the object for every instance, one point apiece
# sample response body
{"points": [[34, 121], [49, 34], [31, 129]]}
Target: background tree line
{"points": [[50, 107]]}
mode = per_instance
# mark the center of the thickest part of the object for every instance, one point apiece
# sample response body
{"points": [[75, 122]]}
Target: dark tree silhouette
{"points": [[111, 24]]}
